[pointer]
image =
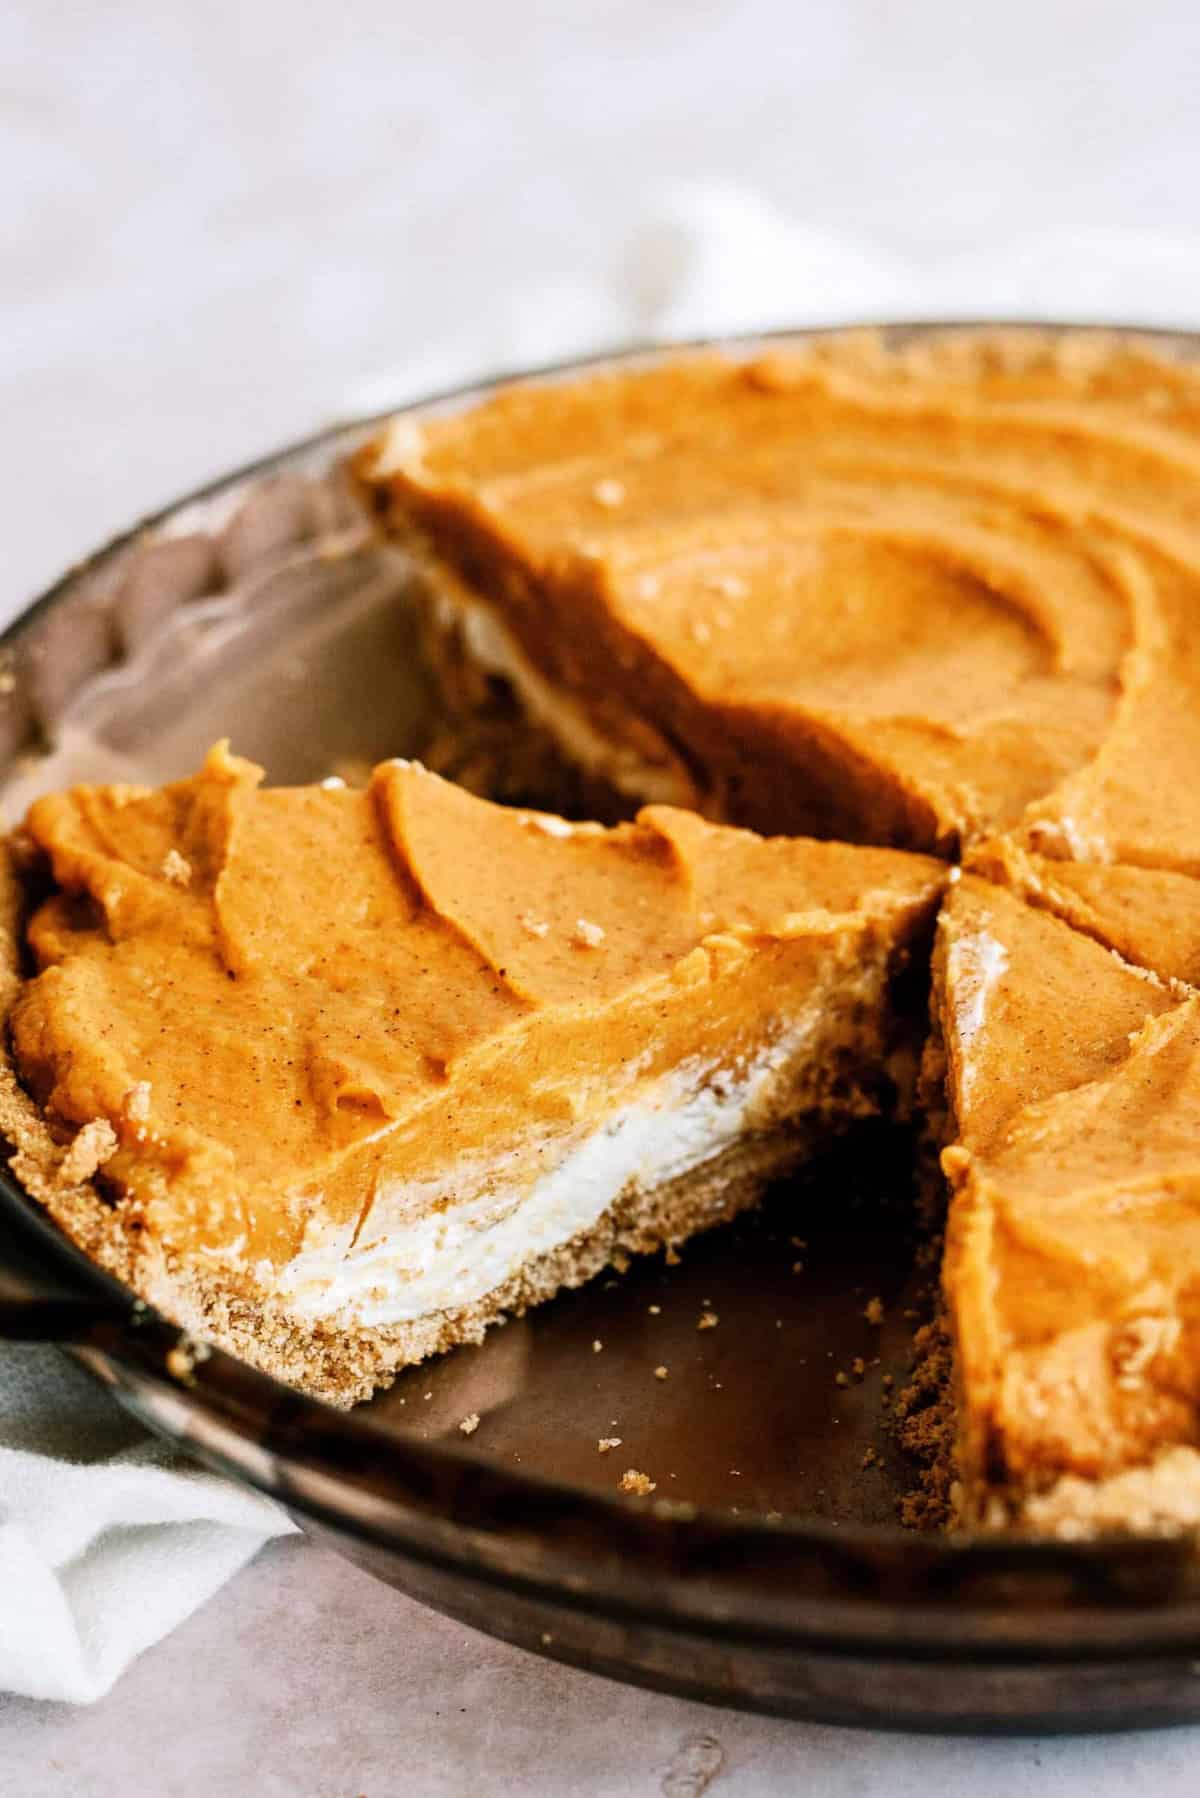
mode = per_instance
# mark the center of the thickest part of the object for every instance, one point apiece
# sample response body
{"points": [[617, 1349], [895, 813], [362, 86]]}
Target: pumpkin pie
{"points": [[337, 1078], [1073, 1250], [341, 1077]]}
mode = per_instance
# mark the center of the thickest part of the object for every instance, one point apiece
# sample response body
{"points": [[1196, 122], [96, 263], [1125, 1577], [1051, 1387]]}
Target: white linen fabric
{"points": [[107, 1540]]}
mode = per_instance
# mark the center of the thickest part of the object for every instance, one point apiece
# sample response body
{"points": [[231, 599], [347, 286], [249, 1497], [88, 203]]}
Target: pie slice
{"points": [[916, 596], [338, 1078], [1072, 1270], [1148, 916]]}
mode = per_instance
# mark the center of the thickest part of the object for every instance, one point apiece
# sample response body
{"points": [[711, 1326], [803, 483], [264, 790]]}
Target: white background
{"points": [[220, 219], [223, 225]]}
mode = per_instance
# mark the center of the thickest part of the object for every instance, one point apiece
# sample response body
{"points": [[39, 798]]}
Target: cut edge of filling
{"points": [[505, 731]]}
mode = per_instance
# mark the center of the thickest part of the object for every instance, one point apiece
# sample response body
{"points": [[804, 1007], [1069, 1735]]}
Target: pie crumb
{"points": [[708, 1320], [176, 868], [597, 1345], [89, 1151], [586, 934], [873, 1311], [609, 493], [672, 1256], [183, 1358], [606, 1443], [660, 1373], [136, 1103], [641, 1483], [729, 586], [535, 926], [470, 1424]]}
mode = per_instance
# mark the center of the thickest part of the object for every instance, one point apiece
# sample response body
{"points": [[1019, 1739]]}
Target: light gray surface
{"points": [[207, 249], [307, 1679]]}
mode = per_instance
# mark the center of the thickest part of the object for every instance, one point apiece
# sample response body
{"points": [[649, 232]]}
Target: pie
{"points": [[914, 597], [872, 632], [359, 1072], [1072, 1267]]}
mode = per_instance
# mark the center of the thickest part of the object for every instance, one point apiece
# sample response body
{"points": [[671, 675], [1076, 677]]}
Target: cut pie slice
{"points": [[1072, 1270], [915, 596], [337, 1078], [1149, 916]]}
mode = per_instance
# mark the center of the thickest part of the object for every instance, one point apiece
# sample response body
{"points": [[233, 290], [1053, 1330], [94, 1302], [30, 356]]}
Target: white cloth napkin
{"points": [[108, 1541], [107, 1538]]}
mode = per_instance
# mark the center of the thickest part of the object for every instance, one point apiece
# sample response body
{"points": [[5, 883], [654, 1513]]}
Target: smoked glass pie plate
{"points": [[767, 1569]]}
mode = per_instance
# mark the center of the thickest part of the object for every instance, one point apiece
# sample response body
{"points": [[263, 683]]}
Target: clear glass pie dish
{"points": [[766, 1569]]}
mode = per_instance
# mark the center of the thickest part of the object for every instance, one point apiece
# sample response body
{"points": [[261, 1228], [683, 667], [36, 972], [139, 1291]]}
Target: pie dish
{"points": [[937, 600], [263, 608]]}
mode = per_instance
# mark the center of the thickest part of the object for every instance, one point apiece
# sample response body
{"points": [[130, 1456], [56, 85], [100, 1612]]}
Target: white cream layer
{"points": [[974, 967], [497, 651], [441, 1260]]}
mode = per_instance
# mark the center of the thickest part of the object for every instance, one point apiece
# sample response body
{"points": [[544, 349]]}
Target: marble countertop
{"points": [[208, 250]]}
